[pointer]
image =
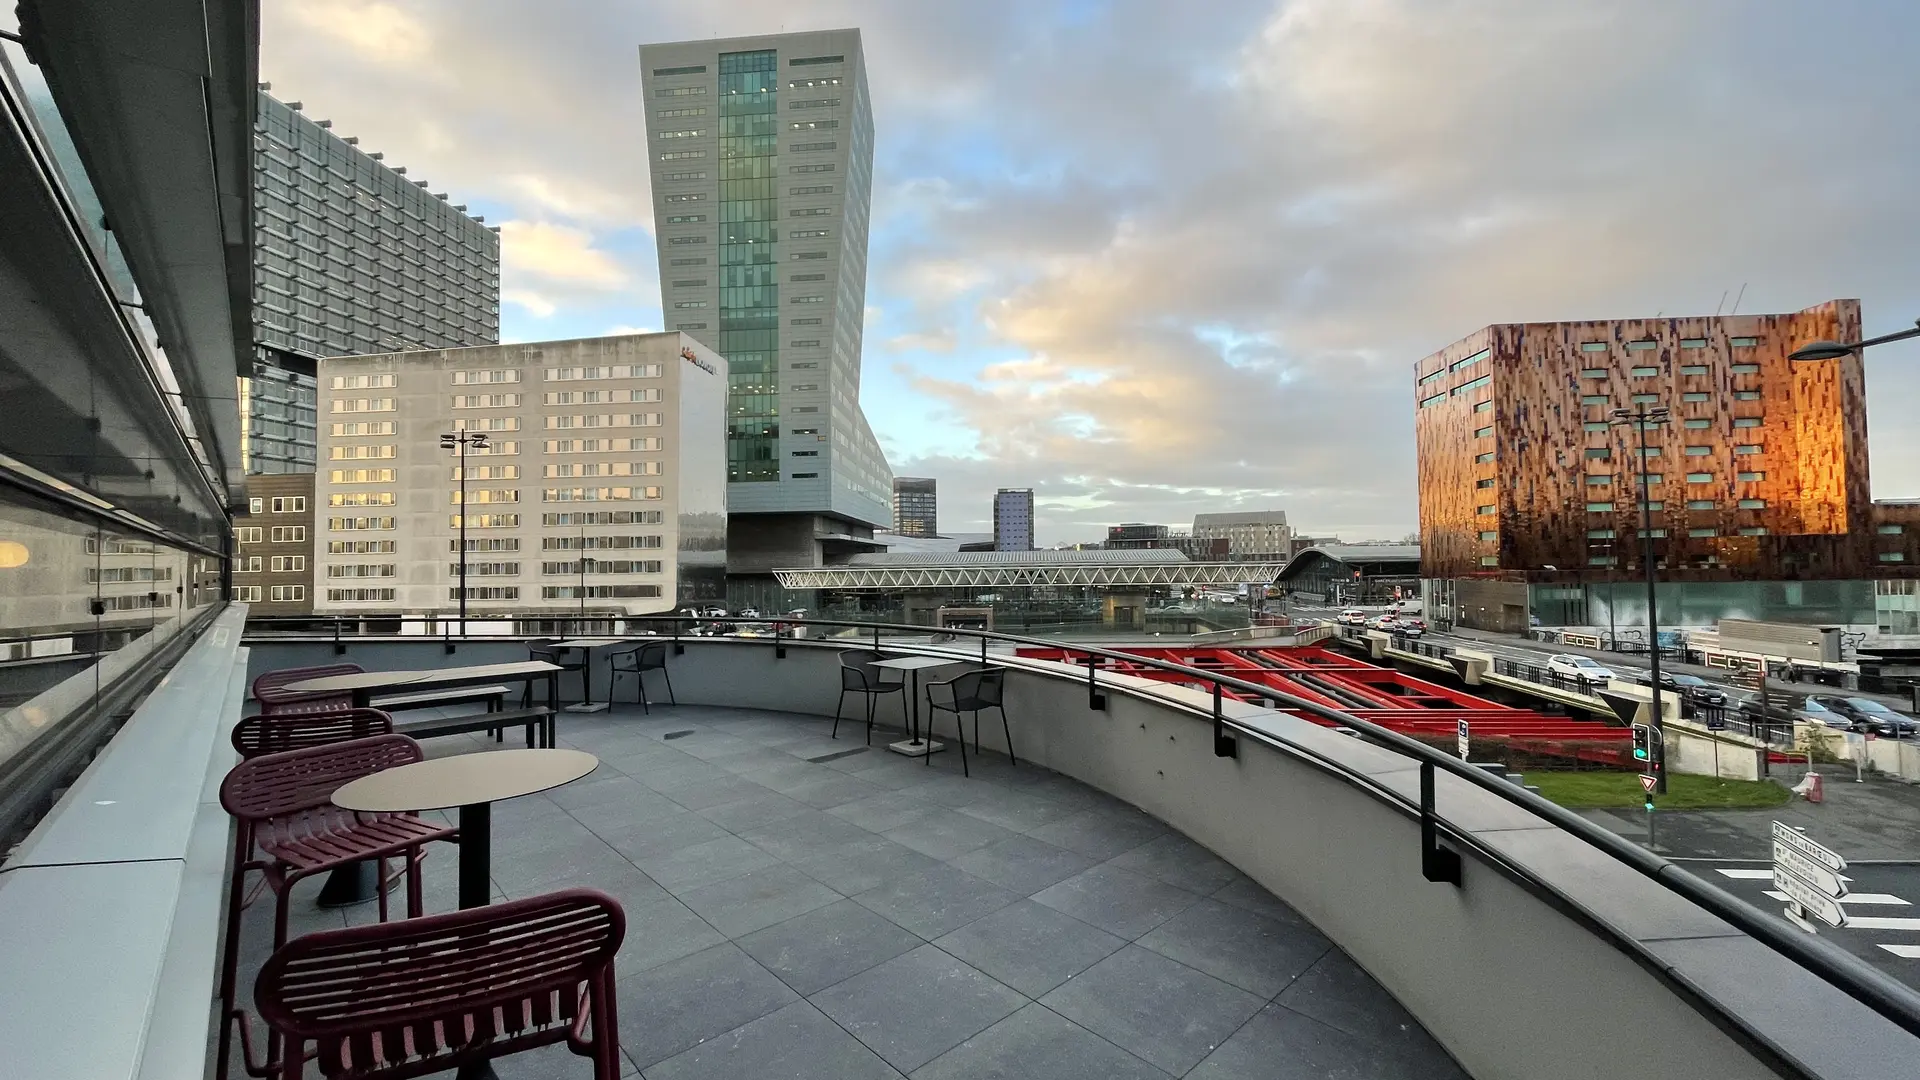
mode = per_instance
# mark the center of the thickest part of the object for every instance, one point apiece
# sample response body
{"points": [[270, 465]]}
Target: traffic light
{"points": [[1642, 743]]}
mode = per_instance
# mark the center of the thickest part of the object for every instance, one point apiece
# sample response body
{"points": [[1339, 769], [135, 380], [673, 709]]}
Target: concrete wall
{"points": [[1510, 975]]}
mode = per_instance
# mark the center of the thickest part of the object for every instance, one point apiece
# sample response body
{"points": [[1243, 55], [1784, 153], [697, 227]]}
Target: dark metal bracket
{"points": [[1436, 863]]}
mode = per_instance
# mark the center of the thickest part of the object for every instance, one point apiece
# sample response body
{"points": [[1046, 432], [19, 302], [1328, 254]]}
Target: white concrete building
{"points": [[761, 155], [610, 447], [1257, 534]]}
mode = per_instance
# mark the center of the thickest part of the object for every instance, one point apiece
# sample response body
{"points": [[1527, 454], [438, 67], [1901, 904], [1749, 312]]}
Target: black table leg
{"points": [[354, 883], [476, 888]]}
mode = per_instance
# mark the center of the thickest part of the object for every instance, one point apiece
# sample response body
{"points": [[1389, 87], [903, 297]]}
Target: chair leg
{"points": [[671, 700], [1009, 733], [230, 956], [837, 706], [416, 899], [640, 680], [381, 864], [960, 736]]}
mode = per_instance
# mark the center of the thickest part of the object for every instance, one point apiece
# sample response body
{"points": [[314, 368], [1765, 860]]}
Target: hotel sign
{"points": [[688, 355]]}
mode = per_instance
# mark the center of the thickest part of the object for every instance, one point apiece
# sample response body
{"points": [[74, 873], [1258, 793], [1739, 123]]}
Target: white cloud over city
{"points": [[1154, 259]]}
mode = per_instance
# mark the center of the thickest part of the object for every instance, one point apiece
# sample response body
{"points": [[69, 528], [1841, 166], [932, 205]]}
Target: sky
{"points": [[1153, 259]]}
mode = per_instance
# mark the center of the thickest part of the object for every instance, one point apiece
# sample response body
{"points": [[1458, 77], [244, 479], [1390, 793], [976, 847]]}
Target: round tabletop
{"points": [[464, 779]]}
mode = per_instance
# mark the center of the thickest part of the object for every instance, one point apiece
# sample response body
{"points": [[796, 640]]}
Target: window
{"points": [[1746, 448], [675, 176], [360, 382], [1891, 556], [1469, 387], [1693, 343], [1655, 504], [249, 536], [1651, 477], [1483, 484], [1599, 479], [1599, 507], [1483, 510], [293, 504], [805, 147], [1703, 532], [1746, 421], [353, 405], [1693, 369], [489, 375], [805, 61], [1750, 477], [1595, 399], [1434, 400], [668, 114], [1699, 451], [1761, 504], [1595, 425], [1655, 534], [1482, 433], [687, 240], [1647, 452], [1458, 365], [486, 401], [360, 595], [359, 476], [376, 427], [1644, 372], [808, 343], [813, 125], [1743, 342], [1643, 345], [1891, 530], [679, 91], [346, 524], [1599, 560], [1489, 535], [1599, 453], [808, 234], [808, 300], [1695, 396], [360, 547], [1698, 424], [814, 189], [287, 564], [1593, 346], [809, 168], [255, 506], [676, 155], [246, 594], [1699, 478], [808, 255], [1753, 530], [1478, 459], [1430, 376], [1746, 369], [1700, 504], [1746, 395], [1483, 406], [1594, 373], [696, 69], [685, 219], [684, 133], [1646, 399], [1599, 534], [248, 564], [360, 498], [1489, 560], [485, 521]]}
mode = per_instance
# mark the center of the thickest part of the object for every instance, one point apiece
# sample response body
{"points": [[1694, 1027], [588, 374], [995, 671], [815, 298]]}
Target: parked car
{"points": [[1790, 708], [1353, 616], [1691, 688], [1866, 714], [1584, 669]]}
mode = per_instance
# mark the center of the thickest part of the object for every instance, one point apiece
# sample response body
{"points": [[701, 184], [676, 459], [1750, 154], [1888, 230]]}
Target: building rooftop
{"points": [[1367, 552], [1154, 556], [1250, 517]]}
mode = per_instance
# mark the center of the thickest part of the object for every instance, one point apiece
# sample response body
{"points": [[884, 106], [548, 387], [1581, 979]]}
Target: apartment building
{"points": [[602, 487], [1013, 519], [273, 545], [761, 155], [1262, 535]]}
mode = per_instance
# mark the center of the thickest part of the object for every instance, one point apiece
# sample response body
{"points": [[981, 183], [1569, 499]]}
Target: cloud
{"points": [[624, 330], [543, 266], [381, 32]]}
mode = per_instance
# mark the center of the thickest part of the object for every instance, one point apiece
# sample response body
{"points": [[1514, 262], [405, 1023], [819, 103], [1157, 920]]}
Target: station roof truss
{"points": [[1048, 575]]}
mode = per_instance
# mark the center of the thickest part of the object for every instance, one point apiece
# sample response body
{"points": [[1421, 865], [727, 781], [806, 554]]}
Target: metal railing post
{"points": [[678, 648], [1224, 745], [1436, 863], [1095, 699], [338, 648]]}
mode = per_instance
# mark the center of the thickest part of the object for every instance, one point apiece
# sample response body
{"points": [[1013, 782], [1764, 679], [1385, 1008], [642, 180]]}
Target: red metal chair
{"points": [[283, 804], [257, 736], [269, 689], [404, 999]]}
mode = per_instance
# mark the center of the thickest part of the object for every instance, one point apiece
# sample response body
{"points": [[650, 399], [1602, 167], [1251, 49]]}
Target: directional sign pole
{"points": [[1809, 873], [1465, 742]]}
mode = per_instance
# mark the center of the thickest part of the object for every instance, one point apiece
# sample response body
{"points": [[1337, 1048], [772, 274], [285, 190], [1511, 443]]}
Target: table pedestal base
{"points": [[917, 748], [588, 706], [355, 883]]}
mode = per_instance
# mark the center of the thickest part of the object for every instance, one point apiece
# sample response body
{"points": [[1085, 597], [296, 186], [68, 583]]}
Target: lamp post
{"points": [[1833, 350], [1641, 419], [458, 442]]}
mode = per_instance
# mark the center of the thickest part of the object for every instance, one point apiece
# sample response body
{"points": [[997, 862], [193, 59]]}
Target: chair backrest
{"points": [[651, 655], [542, 649], [413, 996], [856, 668], [269, 689], [978, 690], [286, 783], [276, 733]]}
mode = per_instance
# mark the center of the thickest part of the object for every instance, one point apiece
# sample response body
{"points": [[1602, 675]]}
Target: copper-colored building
{"points": [[273, 545], [1760, 476]]}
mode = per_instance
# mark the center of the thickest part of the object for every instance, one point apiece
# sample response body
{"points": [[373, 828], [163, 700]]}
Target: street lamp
{"points": [[1833, 350], [1641, 419], [459, 441]]}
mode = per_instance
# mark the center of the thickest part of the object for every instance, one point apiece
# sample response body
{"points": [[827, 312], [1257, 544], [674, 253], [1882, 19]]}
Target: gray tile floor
{"points": [[794, 914]]}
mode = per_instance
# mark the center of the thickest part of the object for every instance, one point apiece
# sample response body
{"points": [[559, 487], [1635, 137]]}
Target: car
{"points": [[1790, 708], [1866, 714], [1584, 669], [1410, 626], [1381, 622], [1353, 616], [1691, 688]]}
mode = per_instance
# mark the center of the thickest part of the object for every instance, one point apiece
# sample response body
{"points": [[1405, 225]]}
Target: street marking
{"points": [[1866, 922], [1747, 875], [1855, 898], [1911, 952]]}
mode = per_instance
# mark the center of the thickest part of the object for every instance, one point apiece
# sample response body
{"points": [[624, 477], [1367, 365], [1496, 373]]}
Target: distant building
{"points": [[915, 512], [1137, 536], [603, 487], [1261, 534], [273, 545], [1013, 519], [1368, 574]]}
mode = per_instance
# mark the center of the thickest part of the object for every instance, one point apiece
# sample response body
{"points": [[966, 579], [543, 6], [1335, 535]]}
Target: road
{"points": [[1883, 922]]}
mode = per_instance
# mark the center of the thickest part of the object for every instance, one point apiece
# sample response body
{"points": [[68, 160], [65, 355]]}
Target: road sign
{"points": [[1648, 781], [1810, 901], [1463, 740], [1811, 873], [1798, 841]]}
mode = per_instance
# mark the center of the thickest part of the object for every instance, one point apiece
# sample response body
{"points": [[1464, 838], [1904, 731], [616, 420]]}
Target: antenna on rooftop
{"points": [[1721, 304], [1736, 300]]}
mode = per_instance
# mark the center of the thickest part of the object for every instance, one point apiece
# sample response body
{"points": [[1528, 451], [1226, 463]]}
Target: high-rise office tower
{"points": [[350, 257], [601, 489], [915, 512], [761, 153], [1013, 519]]}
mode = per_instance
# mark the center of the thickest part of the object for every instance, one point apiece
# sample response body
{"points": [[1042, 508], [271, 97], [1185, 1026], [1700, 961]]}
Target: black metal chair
{"points": [[974, 692], [637, 662], [543, 649], [859, 676]]}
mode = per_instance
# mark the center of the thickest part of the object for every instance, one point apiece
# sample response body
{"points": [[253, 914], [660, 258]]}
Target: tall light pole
{"points": [[1833, 350], [1641, 419], [459, 441]]}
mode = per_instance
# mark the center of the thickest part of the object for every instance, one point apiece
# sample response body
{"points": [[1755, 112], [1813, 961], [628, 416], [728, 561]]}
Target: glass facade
{"points": [[749, 208], [351, 257]]}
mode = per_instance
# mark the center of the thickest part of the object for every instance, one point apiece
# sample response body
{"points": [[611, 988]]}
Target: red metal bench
{"points": [[269, 689], [283, 804], [257, 736], [404, 999]]}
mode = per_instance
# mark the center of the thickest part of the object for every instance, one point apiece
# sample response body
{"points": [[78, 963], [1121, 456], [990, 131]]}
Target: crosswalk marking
{"points": [[1881, 898], [1911, 952], [1868, 922]]}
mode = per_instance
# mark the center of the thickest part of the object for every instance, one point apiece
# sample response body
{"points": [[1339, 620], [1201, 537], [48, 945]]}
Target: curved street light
{"points": [[1833, 350]]}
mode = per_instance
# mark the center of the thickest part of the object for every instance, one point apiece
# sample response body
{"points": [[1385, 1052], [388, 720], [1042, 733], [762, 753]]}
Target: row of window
{"points": [[281, 504], [1643, 345], [1654, 399], [278, 564], [1646, 372], [280, 594], [281, 534]]}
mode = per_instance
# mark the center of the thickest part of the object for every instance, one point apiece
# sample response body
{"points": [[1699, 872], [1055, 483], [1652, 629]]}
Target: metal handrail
{"points": [[1871, 987]]}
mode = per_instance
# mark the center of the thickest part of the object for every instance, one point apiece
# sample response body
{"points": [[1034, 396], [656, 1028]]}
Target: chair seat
{"points": [[327, 836]]}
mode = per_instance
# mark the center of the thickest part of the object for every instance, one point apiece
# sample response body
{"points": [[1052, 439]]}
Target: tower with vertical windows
{"points": [[761, 155]]}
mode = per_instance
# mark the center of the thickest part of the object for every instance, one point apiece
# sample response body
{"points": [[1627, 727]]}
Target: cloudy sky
{"points": [[1153, 258]]}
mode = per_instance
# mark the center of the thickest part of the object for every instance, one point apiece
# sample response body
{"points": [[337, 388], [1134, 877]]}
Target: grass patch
{"points": [[1596, 789]]}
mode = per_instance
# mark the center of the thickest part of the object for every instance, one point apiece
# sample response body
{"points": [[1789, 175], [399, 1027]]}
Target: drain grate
{"points": [[678, 734], [838, 756]]}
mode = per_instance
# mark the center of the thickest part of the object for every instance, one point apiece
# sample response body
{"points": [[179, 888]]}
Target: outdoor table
{"points": [[586, 647], [911, 667], [366, 684], [472, 782]]}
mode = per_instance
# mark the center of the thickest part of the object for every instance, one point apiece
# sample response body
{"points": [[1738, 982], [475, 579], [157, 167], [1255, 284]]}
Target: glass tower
{"points": [[749, 209]]}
